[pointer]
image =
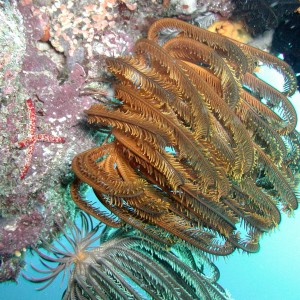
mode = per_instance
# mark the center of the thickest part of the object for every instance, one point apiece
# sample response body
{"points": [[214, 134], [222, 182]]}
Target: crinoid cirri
{"points": [[126, 265]]}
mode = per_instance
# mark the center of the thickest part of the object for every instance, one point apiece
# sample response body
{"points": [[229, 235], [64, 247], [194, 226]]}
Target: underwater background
{"points": [[272, 273]]}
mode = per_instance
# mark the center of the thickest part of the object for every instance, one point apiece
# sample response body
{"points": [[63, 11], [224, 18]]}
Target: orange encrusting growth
{"points": [[231, 29]]}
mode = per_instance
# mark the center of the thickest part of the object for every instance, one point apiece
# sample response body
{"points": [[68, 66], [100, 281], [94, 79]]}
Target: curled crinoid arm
{"points": [[88, 207]]}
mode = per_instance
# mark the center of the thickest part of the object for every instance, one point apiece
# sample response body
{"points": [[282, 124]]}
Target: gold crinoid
{"points": [[203, 150]]}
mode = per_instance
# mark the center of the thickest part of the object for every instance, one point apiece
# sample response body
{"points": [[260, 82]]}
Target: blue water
{"points": [[25, 290], [272, 273]]}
